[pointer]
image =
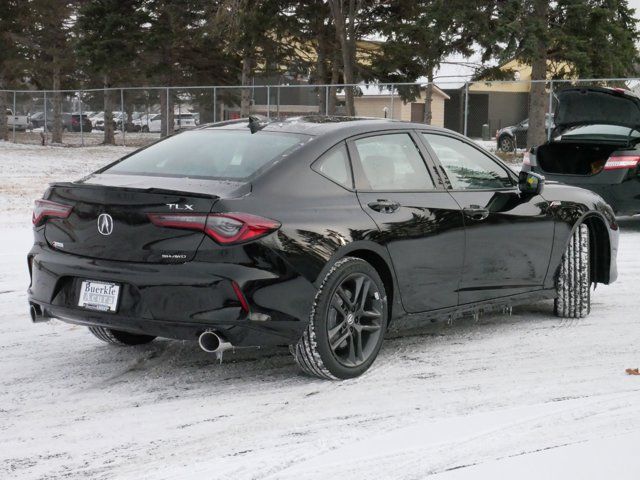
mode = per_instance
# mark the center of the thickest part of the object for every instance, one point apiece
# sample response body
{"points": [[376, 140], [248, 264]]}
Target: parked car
{"points": [[17, 122], [180, 121], [37, 119], [98, 123], [508, 139], [314, 232], [595, 145], [71, 123]]}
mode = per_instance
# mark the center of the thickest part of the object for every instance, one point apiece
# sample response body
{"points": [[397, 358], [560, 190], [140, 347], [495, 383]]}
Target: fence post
{"points": [[122, 122], [392, 99], [14, 117], [278, 103], [466, 107], [268, 102], [326, 100], [81, 120], [550, 109], [215, 106], [44, 128], [167, 113]]}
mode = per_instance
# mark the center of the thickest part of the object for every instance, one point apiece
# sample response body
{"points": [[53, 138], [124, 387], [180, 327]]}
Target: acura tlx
{"points": [[312, 232]]}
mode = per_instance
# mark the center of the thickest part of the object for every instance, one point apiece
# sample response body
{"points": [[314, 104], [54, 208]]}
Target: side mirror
{"points": [[530, 183]]}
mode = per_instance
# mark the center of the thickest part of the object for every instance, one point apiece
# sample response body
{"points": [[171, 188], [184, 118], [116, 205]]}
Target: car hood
{"points": [[596, 106]]}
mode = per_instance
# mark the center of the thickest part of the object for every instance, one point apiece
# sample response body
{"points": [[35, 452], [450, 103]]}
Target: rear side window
{"points": [[335, 166], [393, 162], [220, 154], [467, 167]]}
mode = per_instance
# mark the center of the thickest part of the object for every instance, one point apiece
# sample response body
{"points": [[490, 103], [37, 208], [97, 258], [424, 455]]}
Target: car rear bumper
{"points": [[176, 300]]}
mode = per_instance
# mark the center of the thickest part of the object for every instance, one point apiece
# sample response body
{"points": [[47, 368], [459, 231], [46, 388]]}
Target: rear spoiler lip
{"points": [[162, 191]]}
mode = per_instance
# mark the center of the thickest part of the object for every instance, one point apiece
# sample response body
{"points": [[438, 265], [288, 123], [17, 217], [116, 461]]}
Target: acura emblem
{"points": [[105, 224]]}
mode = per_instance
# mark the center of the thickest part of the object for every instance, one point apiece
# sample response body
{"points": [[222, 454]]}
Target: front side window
{"points": [[467, 167], [335, 166], [211, 153], [393, 162]]}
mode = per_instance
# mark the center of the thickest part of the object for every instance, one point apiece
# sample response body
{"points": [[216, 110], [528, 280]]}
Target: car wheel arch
{"points": [[600, 251], [379, 259]]}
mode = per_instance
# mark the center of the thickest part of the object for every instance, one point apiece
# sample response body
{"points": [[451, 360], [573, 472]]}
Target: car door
{"points": [[509, 235], [419, 222]]}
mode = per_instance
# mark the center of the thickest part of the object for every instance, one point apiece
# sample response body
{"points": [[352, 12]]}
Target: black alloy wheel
{"points": [[354, 323]]}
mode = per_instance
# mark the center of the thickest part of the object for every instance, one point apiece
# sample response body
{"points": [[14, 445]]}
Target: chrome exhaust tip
{"points": [[37, 314], [211, 342]]}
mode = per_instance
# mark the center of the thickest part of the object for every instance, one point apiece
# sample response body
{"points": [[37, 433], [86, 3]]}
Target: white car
{"points": [[152, 123], [19, 122]]}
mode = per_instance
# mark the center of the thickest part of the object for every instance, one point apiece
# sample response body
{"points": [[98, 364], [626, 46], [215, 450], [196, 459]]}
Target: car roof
{"points": [[320, 125]]}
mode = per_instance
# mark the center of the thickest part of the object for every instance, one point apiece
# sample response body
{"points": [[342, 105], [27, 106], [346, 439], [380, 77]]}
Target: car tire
{"points": [[506, 144], [118, 337], [573, 284], [347, 322], [145, 129]]}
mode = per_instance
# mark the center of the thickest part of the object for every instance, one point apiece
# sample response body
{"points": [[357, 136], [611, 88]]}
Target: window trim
{"points": [[464, 140], [349, 165], [360, 180]]}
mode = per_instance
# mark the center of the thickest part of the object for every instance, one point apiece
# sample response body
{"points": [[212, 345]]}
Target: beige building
{"points": [[392, 106]]}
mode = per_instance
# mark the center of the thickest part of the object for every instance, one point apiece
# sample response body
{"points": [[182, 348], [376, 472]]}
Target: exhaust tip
{"points": [[209, 341]]}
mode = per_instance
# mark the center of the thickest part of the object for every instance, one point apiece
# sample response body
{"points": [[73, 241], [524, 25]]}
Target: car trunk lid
{"points": [[110, 216], [595, 106]]}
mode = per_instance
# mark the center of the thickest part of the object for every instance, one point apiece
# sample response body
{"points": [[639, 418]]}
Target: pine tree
{"points": [[9, 56], [421, 34], [594, 38], [48, 39], [109, 45]]}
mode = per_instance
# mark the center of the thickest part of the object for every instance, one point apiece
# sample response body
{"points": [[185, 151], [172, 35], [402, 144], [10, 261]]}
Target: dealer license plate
{"points": [[100, 296]]}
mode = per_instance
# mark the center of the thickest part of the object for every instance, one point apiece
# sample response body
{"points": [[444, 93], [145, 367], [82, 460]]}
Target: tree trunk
{"points": [[166, 112], [4, 125], [335, 78], [245, 98], [56, 135], [428, 99], [347, 45], [537, 96], [109, 137], [321, 69]]}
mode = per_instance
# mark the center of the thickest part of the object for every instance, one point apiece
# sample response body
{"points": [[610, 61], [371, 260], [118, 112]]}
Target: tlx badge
{"points": [[177, 206]]}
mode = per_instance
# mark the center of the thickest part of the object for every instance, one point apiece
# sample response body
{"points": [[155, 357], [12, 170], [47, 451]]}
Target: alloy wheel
{"points": [[355, 320]]}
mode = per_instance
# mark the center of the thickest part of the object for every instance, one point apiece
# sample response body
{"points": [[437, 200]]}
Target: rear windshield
{"points": [[219, 154], [600, 132]]}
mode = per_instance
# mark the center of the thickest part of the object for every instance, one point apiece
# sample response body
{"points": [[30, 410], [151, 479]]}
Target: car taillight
{"points": [[622, 162], [226, 229], [44, 209]]}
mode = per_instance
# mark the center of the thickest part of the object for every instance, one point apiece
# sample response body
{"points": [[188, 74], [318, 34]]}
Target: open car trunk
{"points": [[574, 158]]}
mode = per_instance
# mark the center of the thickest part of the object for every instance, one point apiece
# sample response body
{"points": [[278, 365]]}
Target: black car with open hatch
{"points": [[313, 232]]}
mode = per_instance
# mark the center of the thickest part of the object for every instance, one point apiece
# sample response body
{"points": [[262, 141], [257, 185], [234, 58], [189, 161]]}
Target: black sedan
{"points": [[595, 145], [313, 232], [509, 139]]}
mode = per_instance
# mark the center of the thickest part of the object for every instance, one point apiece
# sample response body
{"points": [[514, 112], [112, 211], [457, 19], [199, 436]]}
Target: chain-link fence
{"points": [[495, 113]]}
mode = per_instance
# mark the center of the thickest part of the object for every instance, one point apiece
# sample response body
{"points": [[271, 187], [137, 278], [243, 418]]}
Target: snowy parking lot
{"points": [[522, 396]]}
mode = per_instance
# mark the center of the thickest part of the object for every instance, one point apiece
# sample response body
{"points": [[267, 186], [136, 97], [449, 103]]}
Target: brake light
{"points": [[44, 209], [226, 229], [622, 162]]}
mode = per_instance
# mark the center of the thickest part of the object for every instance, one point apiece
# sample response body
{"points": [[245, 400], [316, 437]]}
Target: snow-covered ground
{"points": [[523, 396]]}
